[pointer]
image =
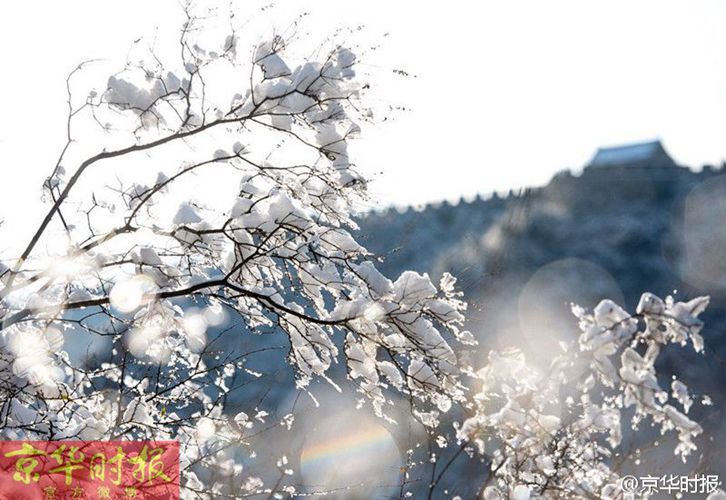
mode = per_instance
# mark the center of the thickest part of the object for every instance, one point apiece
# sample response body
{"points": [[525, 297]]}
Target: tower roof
{"points": [[642, 153]]}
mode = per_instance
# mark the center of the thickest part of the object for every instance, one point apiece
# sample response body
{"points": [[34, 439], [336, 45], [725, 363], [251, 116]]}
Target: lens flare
{"points": [[350, 451]]}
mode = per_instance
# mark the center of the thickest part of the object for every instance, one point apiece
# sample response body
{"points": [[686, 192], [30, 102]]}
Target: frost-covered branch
{"points": [[557, 434]]}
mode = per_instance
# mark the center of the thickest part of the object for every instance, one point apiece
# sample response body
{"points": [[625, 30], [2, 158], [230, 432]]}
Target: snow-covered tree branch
{"points": [[125, 255], [558, 434]]}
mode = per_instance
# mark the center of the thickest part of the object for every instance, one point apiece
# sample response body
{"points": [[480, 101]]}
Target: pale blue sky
{"points": [[507, 93]]}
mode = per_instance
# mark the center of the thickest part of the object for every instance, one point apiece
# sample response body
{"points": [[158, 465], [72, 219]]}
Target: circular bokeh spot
{"points": [[544, 306], [704, 236]]}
